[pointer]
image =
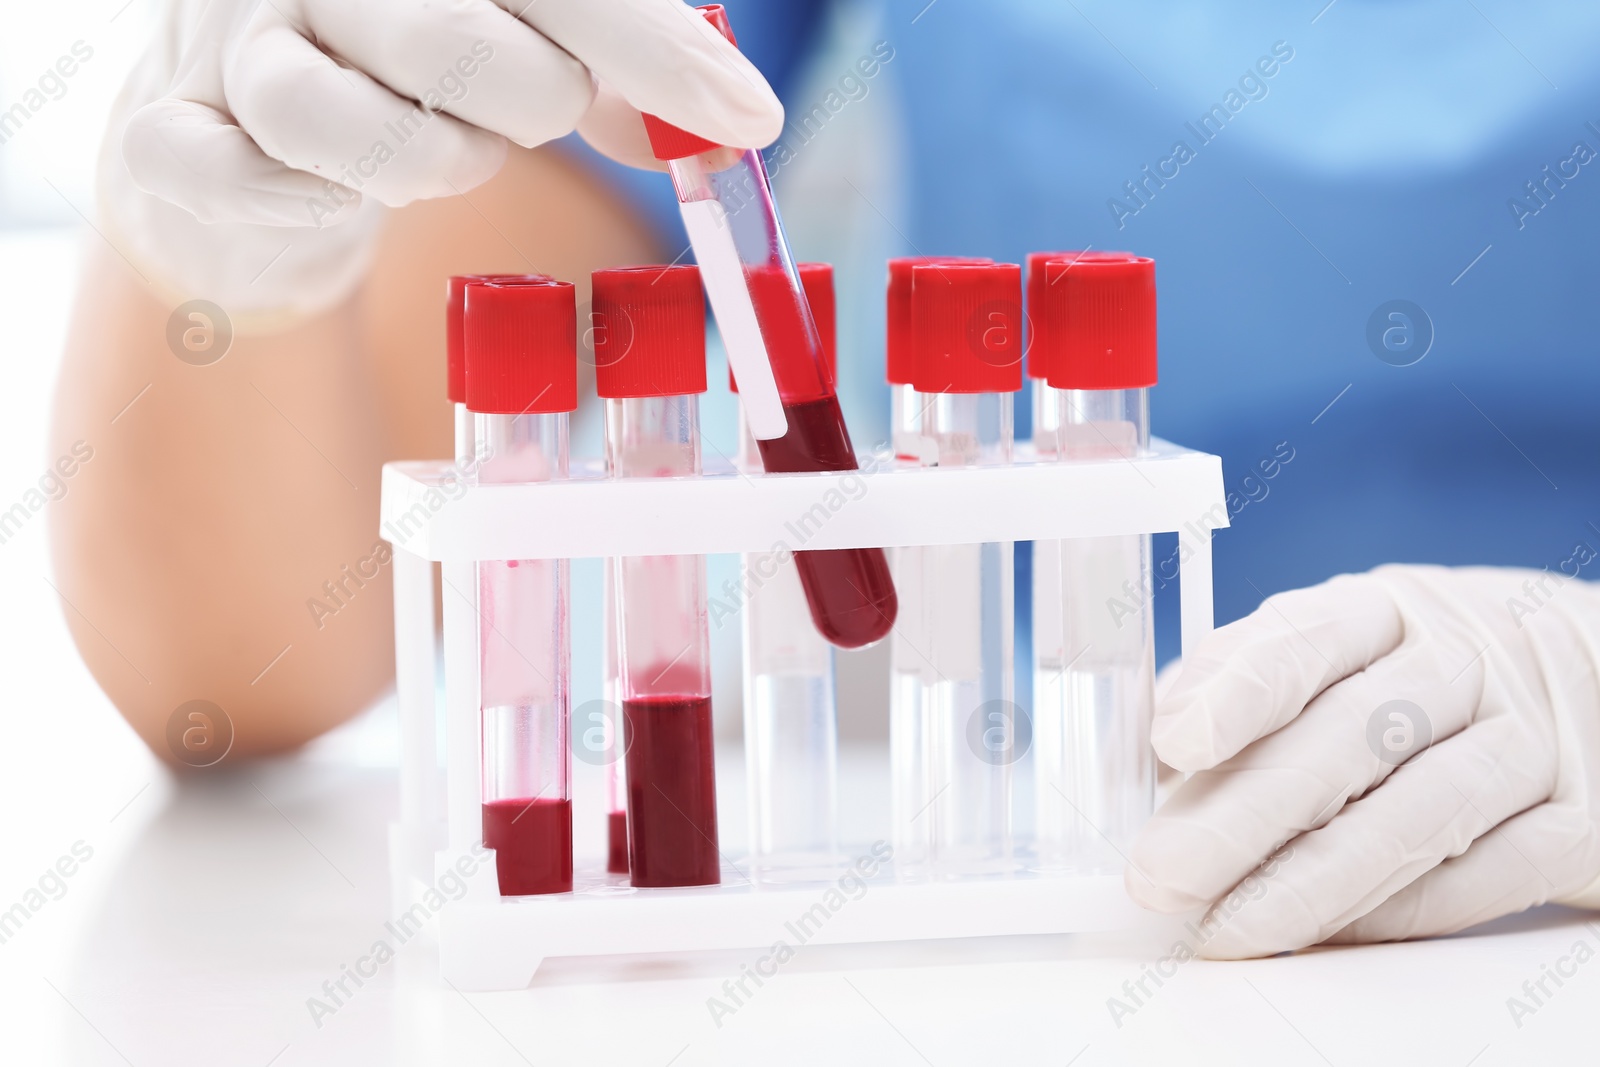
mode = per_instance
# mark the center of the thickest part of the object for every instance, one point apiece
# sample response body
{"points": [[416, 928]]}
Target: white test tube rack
{"points": [[488, 942]]}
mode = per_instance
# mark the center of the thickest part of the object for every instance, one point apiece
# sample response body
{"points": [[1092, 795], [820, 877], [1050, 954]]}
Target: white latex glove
{"points": [[278, 128], [1281, 719]]}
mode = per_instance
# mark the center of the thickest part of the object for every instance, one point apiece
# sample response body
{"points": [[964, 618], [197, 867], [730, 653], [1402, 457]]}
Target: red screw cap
{"points": [[668, 141], [455, 302], [817, 281], [1096, 323], [966, 321], [1035, 282], [899, 357], [649, 330], [521, 346]]}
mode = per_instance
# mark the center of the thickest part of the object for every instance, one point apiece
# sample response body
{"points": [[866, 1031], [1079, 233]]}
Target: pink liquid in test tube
{"points": [[521, 382], [773, 346], [649, 338]]}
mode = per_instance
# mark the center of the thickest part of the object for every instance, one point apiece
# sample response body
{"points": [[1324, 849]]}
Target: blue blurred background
{"points": [[1386, 157]]}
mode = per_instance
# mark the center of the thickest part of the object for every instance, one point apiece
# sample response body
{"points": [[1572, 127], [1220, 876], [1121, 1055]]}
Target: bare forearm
{"points": [[218, 500], [194, 551]]}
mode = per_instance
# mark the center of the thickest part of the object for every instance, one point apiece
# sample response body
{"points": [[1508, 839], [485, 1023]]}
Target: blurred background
{"points": [[1371, 223], [1376, 276]]}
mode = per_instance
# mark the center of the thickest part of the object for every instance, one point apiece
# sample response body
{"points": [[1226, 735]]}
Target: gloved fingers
{"points": [[1221, 823], [663, 57], [177, 146], [1249, 678], [1525, 861], [327, 119], [193, 156], [1429, 810], [468, 58], [614, 128]]}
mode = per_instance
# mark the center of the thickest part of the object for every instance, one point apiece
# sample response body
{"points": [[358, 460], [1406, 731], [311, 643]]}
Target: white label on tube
{"points": [[723, 275]]}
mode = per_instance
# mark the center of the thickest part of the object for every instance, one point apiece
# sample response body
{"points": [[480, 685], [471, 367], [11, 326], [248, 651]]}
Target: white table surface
{"points": [[212, 909]]}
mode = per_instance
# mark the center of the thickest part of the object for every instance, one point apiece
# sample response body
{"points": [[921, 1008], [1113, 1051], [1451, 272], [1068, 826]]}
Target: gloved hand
{"points": [[1422, 742], [279, 127]]}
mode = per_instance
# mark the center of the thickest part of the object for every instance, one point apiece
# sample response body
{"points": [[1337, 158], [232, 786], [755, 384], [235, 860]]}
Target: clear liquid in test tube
{"points": [[953, 723], [616, 771], [521, 383], [1094, 680], [791, 732], [650, 369], [725, 199]]}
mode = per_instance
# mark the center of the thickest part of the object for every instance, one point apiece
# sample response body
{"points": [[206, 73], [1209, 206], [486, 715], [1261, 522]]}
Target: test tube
{"points": [[1046, 400], [905, 410], [1094, 690], [726, 202], [650, 366], [791, 729], [816, 280], [455, 352], [616, 772], [521, 382], [952, 719]]}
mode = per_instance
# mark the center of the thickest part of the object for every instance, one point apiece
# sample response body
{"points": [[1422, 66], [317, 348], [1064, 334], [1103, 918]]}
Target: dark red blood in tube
{"points": [[850, 591], [672, 792], [532, 842]]}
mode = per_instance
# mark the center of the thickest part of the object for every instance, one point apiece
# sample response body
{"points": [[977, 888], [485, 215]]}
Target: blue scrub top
{"points": [[1372, 224]]}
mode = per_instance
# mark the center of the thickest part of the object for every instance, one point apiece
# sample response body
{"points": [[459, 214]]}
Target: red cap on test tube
{"points": [[454, 335], [1034, 284], [521, 346], [966, 321], [899, 358], [817, 280], [668, 141], [1095, 326], [649, 332]]}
